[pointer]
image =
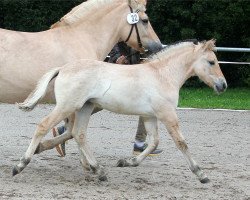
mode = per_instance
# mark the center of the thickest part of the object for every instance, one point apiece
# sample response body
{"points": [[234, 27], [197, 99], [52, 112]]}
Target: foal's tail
{"points": [[39, 92]]}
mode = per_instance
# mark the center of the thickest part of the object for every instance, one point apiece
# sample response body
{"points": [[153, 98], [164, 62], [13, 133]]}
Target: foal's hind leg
{"points": [[170, 120], [79, 133], [51, 143], [42, 129], [151, 127]]}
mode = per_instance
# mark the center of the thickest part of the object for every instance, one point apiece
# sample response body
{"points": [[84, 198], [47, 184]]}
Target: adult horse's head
{"points": [[137, 31], [112, 21], [207, 68]]}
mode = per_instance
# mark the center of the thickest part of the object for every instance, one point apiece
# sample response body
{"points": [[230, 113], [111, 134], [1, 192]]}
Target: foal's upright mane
{"points": [[83, 10], [171, 51]]}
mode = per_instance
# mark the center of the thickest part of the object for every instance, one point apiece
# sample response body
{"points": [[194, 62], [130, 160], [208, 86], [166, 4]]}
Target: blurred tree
{"points": [[34, 15]]}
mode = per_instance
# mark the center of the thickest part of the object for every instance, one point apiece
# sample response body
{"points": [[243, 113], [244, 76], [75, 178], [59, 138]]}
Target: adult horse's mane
{"points": [[80, 11], [172, 49]]}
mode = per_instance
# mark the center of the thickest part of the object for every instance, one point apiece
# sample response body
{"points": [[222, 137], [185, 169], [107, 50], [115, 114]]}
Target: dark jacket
{"points": [[132, 56]]}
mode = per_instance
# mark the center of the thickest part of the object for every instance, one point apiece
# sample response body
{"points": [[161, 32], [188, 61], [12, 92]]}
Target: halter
{"points": [[136, 29]]}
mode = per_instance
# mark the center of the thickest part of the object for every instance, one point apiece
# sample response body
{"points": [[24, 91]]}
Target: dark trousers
{"points": [[141, 133]]}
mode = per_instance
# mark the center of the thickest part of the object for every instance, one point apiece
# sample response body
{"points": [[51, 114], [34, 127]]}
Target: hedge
{"points": [[225, 20]]}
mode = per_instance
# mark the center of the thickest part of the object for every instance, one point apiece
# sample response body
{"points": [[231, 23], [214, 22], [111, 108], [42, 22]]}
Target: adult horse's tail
{"points": [[39, 92]]}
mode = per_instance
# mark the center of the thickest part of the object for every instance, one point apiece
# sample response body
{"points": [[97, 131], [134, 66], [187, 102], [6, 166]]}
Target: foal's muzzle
{"points": [[220, 85]]}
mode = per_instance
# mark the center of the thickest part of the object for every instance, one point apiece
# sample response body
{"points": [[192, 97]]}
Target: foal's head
{"points": [[207, 68]]}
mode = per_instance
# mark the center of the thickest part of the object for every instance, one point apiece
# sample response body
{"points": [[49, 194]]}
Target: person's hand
{"points": [[121, 60]]}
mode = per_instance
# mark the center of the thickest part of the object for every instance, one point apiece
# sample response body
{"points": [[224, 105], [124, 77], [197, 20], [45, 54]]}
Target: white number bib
{"points": [[133, 18]]}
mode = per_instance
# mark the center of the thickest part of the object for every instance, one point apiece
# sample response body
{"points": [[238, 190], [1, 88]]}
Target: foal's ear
{"points": [[209, 45]]}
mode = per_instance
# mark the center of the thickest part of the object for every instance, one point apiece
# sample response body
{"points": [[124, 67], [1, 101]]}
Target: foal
{"points": [[150, 90]]}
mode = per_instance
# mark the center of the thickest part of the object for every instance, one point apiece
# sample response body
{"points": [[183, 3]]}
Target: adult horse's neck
{"points": [[174, 64], [100, 27]]}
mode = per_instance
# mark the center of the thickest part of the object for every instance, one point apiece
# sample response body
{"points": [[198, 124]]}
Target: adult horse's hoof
{"points": [[122, 163], [205, 180]]}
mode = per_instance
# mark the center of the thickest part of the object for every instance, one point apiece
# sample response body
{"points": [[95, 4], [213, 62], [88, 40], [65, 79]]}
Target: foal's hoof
{"points": [[18, 168], [122, 163], [205, 180], [103, 178], [15, 171], [38, 149]]}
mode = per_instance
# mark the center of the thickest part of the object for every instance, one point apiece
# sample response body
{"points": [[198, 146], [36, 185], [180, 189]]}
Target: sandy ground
{"points": [[218, 140]]}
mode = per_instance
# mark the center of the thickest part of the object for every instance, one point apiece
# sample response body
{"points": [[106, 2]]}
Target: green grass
{"points": [[235, 98]]}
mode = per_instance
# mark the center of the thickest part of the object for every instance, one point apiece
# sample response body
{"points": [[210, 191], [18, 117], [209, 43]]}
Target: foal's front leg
{"points": [[170, 120], [151, 127]]}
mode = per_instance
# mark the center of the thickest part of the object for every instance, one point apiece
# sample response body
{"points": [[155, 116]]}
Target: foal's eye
{"points": [[211, 62]]}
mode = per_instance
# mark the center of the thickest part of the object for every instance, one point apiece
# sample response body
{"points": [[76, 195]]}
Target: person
{"points": [[120, 54]]}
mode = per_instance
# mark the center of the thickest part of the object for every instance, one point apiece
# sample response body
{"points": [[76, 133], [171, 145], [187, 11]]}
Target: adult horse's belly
{"points": [[24, 59], [12, 93], [16, 88]]}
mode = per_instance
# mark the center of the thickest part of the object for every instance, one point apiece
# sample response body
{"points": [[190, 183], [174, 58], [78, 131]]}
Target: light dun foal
{"points": [[150, 90]]}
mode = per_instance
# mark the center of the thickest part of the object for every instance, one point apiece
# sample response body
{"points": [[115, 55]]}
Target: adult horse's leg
{"points": [[79, 133], [42, 129], [51, 143], [151, 127], [170, 120]]}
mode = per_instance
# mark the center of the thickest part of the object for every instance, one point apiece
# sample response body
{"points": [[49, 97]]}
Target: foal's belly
{"points": [[124, 107]]}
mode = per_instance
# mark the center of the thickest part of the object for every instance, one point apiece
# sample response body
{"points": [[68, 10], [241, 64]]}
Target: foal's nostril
{"points": [[221, 86]]}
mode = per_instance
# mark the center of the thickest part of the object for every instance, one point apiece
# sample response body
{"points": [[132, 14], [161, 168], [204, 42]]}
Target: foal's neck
{"points": [[176, 68]]}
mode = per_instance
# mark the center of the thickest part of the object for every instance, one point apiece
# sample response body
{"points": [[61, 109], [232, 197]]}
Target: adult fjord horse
{"points": [[150, 90], [89, 31]]}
